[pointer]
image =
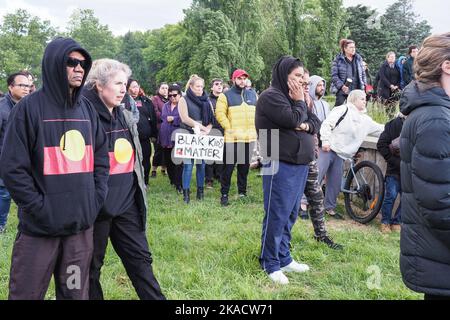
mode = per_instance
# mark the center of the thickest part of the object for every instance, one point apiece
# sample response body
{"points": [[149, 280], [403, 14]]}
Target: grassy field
{"points": [[203, 251]]}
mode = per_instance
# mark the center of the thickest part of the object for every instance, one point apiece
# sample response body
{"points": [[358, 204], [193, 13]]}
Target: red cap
{"points": [[239, 73]]}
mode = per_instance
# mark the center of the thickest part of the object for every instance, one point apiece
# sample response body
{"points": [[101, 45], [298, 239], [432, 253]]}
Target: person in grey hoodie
{"points": [[317, 87]]}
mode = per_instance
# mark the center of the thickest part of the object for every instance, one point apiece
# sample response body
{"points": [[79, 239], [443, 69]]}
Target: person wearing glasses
{"points": [[18, 87], [170, 122], [55, 164]]}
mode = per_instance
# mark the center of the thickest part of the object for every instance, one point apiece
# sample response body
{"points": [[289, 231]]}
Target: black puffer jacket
{"points": [[425, 179]]}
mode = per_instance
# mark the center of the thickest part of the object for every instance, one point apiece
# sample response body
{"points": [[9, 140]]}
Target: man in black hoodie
{"points": [[55, 165]]}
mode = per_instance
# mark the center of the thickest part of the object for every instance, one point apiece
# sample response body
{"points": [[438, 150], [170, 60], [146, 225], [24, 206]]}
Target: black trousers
{"points": [[158, 157], [146, 154], [174, 171], [236, 153], [127, 236], [213, 171], [340, 98], [35, 259]]}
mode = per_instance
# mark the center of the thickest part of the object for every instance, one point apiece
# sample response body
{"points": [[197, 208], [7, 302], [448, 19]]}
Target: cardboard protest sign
{"points": [[194, 146]]}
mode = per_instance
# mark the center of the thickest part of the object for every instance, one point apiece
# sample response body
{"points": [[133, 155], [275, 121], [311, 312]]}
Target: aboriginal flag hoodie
{"points": [[54, 160], [122, 183]]}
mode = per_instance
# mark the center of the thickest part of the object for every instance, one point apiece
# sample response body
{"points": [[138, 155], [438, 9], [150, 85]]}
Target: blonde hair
{"points": [[355, 95], [193, 79], [103, 70], [389, 53], [428, 62]]}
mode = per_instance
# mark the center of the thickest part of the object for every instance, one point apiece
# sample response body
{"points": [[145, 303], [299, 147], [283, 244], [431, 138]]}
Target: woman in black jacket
{"points": [[389, 83], [425, 172], [281, 111], [122, 219]]}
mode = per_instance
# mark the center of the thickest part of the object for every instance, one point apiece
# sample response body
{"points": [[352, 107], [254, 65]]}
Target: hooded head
{"points": [[280, 71], [55, 82], [314, 81]]}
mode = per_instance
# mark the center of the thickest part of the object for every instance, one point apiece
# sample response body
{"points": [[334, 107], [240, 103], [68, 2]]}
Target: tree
{"points": [[96, 38], [22, 42], [404, 26], [372, 41], [130, 51], [213, 43]]}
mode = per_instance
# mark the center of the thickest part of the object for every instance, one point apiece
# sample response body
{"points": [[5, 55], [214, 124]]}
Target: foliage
{"points": [[22, 42], [96, 38]]}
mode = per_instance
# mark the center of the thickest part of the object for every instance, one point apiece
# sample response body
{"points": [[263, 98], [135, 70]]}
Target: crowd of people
{"points": [[83, 142]]}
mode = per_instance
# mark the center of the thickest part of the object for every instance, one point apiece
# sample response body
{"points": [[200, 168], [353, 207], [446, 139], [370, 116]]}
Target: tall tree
{"points": [[96, 38], [22, 42], [404, 26], [130, 51]]}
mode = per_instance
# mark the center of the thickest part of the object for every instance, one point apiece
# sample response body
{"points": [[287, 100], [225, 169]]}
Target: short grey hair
{"points": [[103, 70], [355, 95]]}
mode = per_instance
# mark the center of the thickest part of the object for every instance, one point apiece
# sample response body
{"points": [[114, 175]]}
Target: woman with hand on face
{"points": [[196, 114], [281, 111], [122, 219]]}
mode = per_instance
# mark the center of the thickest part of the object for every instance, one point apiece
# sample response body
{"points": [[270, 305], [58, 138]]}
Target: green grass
{"points": [[203, 251]]}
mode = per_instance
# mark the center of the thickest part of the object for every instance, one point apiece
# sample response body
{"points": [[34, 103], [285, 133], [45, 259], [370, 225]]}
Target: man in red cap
{"points": [[235, 112]]}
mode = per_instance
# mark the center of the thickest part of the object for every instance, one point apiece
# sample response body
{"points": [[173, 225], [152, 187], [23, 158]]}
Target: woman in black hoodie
{"points": [[123, 217], [281, 111]]}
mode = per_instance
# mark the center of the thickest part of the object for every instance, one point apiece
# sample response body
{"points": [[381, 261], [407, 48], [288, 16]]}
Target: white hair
{"points": [[104, 69], [355, 95]]}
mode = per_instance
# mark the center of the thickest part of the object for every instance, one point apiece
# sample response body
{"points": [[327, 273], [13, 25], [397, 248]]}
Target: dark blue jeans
{"points": [[5, 203], [392, 189], [282, 194], [187, 173]]}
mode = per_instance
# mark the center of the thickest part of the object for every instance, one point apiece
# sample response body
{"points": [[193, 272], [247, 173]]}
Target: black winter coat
{"points": [[392, 130], [388, 76], [425, 180]]}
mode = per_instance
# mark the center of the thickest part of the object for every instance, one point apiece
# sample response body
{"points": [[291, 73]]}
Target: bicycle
{"points": [[363, 188]]}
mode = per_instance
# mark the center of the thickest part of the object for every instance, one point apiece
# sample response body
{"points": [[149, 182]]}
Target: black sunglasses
{"points": [[73, 63], [173, 95]]}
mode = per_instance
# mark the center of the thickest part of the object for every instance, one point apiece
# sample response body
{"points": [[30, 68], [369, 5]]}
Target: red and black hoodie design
{"points": [[54, 160], [122, 183]]}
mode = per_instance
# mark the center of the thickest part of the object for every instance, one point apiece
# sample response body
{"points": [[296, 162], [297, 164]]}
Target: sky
{"points": [[132, 15]]}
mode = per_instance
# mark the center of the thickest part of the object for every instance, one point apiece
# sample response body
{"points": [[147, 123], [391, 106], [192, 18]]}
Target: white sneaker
{"points": [[279, 277], [295, 267]]}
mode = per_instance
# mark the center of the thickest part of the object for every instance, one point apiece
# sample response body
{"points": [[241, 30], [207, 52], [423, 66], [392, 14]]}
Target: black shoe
{"points": [[179, 190], [224, 200], [200, 193], [153, 175], [329, 242], [186, 195], [242, 195]]}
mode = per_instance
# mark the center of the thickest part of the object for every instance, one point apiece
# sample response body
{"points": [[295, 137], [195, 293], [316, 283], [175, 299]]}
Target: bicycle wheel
{"points": [[365, 192]]}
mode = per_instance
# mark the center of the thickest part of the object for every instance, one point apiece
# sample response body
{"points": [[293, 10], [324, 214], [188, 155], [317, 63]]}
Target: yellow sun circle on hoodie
{"points": [[123, 151], [75, 146]]}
